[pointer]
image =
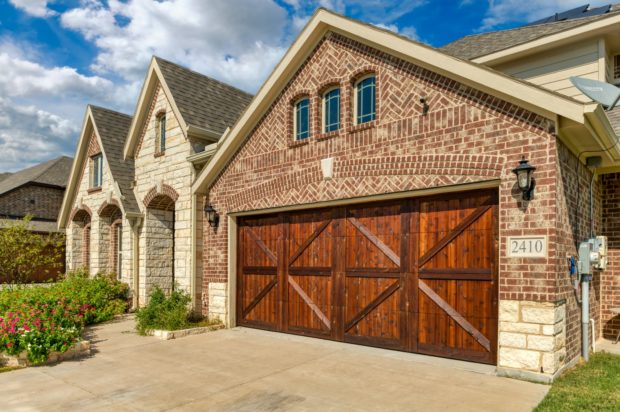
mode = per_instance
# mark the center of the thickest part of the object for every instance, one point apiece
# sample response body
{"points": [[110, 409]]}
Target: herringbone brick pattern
{"points": [[467, 136]]}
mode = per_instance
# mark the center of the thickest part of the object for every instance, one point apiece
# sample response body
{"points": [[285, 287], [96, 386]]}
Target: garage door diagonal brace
{"points": [[458, 318], [309, 302], [260, 296], [375, 240], [262, 245], [372, 305], [308, 241], [443, 242]]}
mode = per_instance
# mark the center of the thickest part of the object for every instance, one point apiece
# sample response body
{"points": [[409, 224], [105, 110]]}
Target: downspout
{"points": [[193, 262], [135, 229], [587, 277]]}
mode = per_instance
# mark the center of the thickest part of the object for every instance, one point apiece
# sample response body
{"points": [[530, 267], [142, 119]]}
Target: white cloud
{"points": [[29, 135], [505, 11], [24, 78], [36, 8], [238, 41]]}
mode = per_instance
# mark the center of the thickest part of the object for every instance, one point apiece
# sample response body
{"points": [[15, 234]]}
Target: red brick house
{"points": [[36, 191], [367, 196]]}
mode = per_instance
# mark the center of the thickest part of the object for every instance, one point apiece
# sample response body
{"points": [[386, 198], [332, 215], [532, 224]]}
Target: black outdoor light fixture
{"points": [[524, 178], [212, 217]]}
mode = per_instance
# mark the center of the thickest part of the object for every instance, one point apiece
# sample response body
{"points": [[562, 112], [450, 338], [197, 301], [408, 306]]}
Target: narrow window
{"points": [[365, 100], [119, 249], [161, 133], [302, 119], [97, 171], [331, 110]]}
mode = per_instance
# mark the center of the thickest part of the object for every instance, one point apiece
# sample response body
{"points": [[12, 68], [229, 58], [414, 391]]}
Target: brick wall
{"points": [[467, 136], [610, 279], [40, 201], [573, 222]]}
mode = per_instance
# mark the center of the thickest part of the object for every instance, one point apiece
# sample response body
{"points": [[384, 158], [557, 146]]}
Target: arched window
{"points": [[302, 119], [331, 110], [161, 133], [365, 100]]}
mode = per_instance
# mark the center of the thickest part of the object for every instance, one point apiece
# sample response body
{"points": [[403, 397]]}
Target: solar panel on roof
{"points": [[576, 13]]}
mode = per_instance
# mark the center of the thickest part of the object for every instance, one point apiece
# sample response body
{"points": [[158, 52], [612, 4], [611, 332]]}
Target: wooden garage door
{"points": [[418, 275]]}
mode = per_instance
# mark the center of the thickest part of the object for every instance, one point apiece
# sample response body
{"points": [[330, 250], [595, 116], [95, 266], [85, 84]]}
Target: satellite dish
{"points": [[604, 93]]}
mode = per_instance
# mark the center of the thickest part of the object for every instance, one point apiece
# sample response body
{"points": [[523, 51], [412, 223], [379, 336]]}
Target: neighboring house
{"points": [[367, 195], [129, 207], [37, 191]]}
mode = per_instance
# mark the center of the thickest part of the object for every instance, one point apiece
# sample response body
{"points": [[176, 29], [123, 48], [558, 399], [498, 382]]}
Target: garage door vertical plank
{"points": [[405, 274], [338, 282], [283, 228], [411, 291]]}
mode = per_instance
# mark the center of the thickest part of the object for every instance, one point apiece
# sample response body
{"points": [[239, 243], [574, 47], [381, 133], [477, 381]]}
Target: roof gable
{"points": [[536, 99], [202, 105], [110, 129]]}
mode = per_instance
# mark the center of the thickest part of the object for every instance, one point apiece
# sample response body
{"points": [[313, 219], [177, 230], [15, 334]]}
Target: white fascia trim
{"points": [[568, 36], [78, 159]]}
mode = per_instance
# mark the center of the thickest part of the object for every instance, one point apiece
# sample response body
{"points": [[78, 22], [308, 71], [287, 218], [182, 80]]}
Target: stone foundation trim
{"points": [[532, 339], [78, 350], [176, 334], [533, 376]]}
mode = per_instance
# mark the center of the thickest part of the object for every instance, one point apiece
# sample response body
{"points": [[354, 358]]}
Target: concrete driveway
{"points": [[248, 370]]}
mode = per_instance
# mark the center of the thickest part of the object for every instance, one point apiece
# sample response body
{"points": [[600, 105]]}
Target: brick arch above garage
{"points": [[367, 176]]}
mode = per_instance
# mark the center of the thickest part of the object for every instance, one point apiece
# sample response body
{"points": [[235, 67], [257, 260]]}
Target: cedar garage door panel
{"points": [[418, 275]]}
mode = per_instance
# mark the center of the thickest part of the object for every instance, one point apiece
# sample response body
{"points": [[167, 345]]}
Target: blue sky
{"points": [[57, 56]]}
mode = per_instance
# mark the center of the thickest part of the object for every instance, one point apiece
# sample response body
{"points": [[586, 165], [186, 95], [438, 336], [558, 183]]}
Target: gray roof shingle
{"points": [[4, 175], [113, 128], [54, 172], [477, 45], [203, 102]]}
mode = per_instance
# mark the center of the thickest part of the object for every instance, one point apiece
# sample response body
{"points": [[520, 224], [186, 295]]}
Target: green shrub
{"points": [[51, 318], [164, 312]]}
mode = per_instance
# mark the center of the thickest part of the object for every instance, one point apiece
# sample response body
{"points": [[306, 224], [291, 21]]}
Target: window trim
{"points": [[295, 125], [96, 163], [324, 109], [355, 99]]}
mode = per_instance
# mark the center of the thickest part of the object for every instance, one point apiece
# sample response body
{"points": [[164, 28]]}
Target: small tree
{"points": [[23, 252]]}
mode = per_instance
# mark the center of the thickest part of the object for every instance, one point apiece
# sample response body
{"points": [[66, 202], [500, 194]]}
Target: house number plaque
{"points": [[527, 246]]}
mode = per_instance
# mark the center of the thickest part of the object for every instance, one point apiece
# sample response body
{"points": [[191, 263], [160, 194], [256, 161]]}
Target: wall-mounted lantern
{"points": [[525, 181], [212, 217]]}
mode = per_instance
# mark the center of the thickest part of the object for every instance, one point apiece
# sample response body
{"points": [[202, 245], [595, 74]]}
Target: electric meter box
{"points": [[601, 242]]}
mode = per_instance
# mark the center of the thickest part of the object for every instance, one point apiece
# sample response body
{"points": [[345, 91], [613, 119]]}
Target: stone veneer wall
{"points": [[532, 337], [155, 171], [92, 201]]}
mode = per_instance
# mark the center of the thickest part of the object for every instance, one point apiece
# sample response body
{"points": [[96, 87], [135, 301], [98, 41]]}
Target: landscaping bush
{"points": [[164, 312], [51, 318]]}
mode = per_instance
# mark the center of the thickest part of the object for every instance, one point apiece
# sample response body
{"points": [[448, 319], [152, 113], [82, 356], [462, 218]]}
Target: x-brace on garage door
{"points": [[417, 275]]}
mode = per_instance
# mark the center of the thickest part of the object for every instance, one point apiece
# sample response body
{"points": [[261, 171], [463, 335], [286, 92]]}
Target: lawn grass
{"points": [[594, 386]]}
